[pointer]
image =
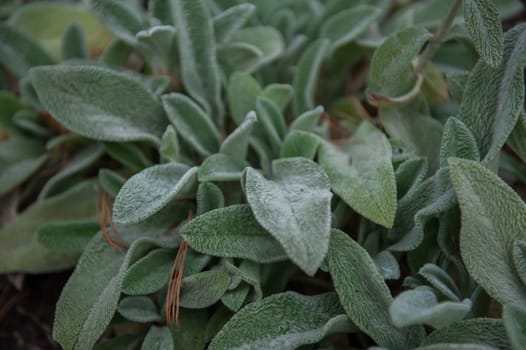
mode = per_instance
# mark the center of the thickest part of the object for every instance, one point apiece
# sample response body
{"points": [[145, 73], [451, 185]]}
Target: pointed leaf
{"points": [[306, 75], [192, 123], [220, 167], [150, 273], [280, 94], [139, 309], [364, 294], [203, 289], [493, 217], [119, 17], [88, 100], [242, 92], [230, 20], [300, 144], [362, 174], [294, 208], [232, 232], [457, 142], [209, 197], [74, 43], [147, 192], [502, 90], [236, 144], [483, 23], [200, 73], [302, 320]]}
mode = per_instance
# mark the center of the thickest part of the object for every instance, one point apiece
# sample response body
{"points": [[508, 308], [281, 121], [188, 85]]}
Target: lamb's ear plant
{"points": [[268, 174]]}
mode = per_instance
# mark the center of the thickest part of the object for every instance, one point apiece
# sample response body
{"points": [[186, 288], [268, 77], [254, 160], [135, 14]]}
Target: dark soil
{"points": [[26, 315]]}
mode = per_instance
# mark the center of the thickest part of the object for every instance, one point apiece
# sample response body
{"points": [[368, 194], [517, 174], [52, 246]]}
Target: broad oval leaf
{"points": [[362, 174], [282, 322], [232, 232], [420, 306], [192, 123], [203, 289], [139, 309], [147, 192], [68, 237], [483, 23], [221, 167], [199, 69], [242, 92], [295, 208], [100, 103], [391, 74], [150, 273], [493, 217], [364, 294]]}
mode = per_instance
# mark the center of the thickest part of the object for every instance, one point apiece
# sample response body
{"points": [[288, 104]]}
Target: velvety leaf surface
{"points": [[457, 141], [138, 309], [100, 103], [158, 338], [236, 144], [294, 207], [487, 331], [74, 44], [501, 91], [232, 232], [91, 295], [191, 123], [364, 294], [150, 273], [209, 197], [301, 320], [67, 237], [200, 73], [147, 192], [203, 289], [111, 182], [519, 259], [514, 318], [20, 250], [242, 93], [420, 306], [361, 173], [390, 73], [300, 144], [493, 217], [119, 17], [483, 23], [230, 20], [220, 167]]}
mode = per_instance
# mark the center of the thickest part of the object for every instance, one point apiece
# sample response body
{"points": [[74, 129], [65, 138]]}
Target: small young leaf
{"points": [[190, 334], [220, 167], [74, 43], [158, 338], [139, 309], [308, 121], [483, 22], [235, 298], [242, 92], [420, 306], [89, 100], [519, 259], [457, 142], [236, 144], [67, 237], [440, 280], [387, 265], [489, 242], [150, 273], [209, 197], [362, 175], [294, 208], [19, 52], [410, 174], [229, 21], [272, 121], [280, 94], [147, 192], [170, 148], [111, 182], [192, 123], [203, 289], [200, 73], [300, 144], [305, 77], [364, 294], [514, 318], [159, 46], [128, 154], [232, 232], [347, 25], [282, 322]]}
